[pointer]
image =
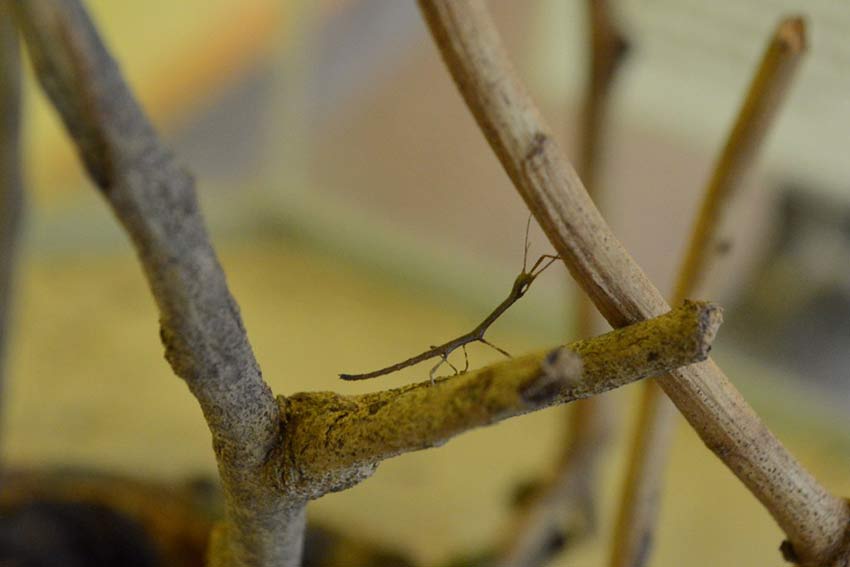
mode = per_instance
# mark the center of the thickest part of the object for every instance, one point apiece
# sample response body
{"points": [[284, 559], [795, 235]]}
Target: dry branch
{"points": [[566, 504], [11, 193], [333, 441], [633, 536], [608, 49], [815, 521], [154, 198]]}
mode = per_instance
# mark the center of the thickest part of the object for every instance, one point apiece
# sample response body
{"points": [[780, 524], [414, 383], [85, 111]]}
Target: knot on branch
{"points": [[537, 146], [708, 323], [837, 556], [309, 466], [562, 368]]}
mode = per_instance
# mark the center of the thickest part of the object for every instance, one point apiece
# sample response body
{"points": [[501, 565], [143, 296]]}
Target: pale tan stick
{"points": [[633, 535], [564, 508], [591, 420], [815, 521], [607, 49], [11, 193]]}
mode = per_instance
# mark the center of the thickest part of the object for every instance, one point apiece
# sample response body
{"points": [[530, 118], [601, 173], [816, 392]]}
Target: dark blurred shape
{"points": [[83, 517], [71, 534], [73, 517], [326, 547], [796, 310]]}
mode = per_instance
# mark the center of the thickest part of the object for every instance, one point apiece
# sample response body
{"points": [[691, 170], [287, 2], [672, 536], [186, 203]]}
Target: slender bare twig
{"points": [[633, 536], [565, 505], [520, 287], [815, 521], [334, 441], [608, 49], [154, 198], [11, 194]]}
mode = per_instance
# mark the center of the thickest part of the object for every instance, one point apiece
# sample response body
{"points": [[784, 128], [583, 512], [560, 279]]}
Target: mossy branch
{"points": [[814, 520], [334, 441]]}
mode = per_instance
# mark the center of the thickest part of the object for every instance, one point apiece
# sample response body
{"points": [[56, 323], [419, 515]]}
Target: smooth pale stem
{"points": [[571, 489]]}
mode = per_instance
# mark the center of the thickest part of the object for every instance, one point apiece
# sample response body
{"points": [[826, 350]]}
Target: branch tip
{"points": [[792, 34]]}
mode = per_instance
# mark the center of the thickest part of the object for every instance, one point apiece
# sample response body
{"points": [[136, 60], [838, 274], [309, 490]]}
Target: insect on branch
{"points": [[521, 285]]}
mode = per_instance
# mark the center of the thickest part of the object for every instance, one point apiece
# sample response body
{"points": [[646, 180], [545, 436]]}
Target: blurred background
{"points": [[360, 217]]}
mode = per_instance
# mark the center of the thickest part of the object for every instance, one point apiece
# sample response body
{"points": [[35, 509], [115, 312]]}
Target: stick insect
{"points": [[521, 284]]}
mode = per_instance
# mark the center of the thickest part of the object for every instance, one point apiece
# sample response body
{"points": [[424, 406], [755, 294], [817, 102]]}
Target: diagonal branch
{"points": [[656, 419], [154, 198], [814, 520], [11, 194], [334, 441]]}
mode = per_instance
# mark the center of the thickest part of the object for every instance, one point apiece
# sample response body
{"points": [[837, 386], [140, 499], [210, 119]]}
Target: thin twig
{"points": [[566, 503], [608, 49], [154, 198], [334, 441], [815, 521], [520, 287], [11, 193], [637, 518]]}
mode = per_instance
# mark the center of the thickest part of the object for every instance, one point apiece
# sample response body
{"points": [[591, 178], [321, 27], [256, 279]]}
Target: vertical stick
{"points": [[638, 514], [591, 420], [11, 195], [571, 491]]}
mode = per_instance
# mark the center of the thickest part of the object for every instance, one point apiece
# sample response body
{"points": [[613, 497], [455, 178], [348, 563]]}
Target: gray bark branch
{"points": [[153, 197]]}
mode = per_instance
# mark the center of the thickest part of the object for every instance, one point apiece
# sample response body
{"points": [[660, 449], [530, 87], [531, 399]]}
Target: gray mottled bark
{"points": [[154, 198]]}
